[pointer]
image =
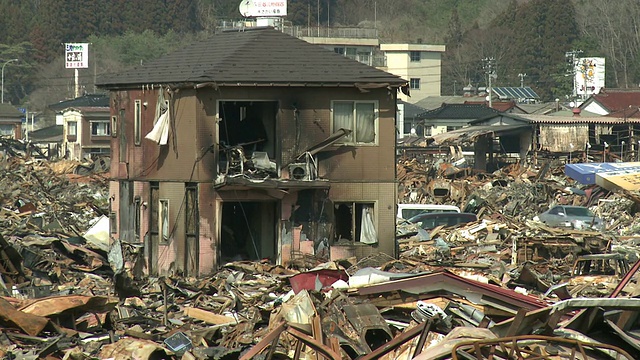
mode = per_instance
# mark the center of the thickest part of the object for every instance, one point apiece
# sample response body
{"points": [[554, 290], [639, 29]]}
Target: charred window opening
{"points": [[191, 227], [113, 222], [248, 230], [137, 203], [153, 210], [355, 221], [249, 126]]}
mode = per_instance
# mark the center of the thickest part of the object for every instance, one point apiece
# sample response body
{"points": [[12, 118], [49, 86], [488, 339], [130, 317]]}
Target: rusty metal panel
{"points": [[558, 137]]}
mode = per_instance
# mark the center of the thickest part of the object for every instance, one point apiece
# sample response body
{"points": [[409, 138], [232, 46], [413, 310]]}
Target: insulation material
{"points": [[558, 137]]}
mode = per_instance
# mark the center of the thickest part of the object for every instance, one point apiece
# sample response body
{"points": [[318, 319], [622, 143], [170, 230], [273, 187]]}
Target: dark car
{"points": [[433, 220]]}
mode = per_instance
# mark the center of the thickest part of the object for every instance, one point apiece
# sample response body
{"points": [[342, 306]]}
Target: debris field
{"points": [[503, 287]]}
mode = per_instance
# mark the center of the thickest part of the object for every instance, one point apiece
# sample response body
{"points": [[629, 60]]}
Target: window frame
{"points": [[114, 126], [413, 82], [415, 56], [94, 122], [137, 122], [354, 226], [75, 128], [164, 215], [376, 124]]}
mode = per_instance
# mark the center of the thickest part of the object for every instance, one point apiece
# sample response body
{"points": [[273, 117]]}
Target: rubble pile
{"points": [[38, 198], [502, 287]]}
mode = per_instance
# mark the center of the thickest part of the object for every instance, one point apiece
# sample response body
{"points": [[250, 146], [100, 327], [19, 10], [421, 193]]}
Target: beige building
{"points": [[420, 64]]}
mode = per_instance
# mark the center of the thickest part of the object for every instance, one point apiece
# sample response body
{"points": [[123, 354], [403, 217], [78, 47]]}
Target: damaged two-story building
{"points": [[247, 145]]}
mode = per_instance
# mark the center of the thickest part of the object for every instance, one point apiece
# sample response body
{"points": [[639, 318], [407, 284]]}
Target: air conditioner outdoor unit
{"points": [[299, 171]]}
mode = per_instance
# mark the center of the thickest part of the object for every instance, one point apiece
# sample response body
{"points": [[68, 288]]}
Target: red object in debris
{"points": [[316, 279]]}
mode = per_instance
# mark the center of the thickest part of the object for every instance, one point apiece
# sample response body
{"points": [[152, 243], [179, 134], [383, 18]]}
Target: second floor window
{"points": [[415, 83], [100, 128], [359, 117], [72, 128], [414, 55]]}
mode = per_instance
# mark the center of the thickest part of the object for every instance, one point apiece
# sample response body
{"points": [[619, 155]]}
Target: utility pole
{"points": [[522, 76], [489, 69], [572, 60]]}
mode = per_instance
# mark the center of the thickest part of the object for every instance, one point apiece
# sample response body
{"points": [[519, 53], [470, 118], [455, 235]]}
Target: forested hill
{"points": [[522, 36]]}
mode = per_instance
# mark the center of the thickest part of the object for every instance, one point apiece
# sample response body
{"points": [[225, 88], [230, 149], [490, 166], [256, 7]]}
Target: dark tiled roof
{"points": [[501, 106], [459, 111], [8, 111], [89, 100], [260, 56], [411, 110], [53, 133]]}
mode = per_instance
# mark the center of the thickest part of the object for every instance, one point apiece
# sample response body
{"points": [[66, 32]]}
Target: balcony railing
{"points": [[331, 32]]}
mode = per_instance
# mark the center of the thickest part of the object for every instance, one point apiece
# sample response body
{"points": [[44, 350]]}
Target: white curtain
{"points": [[368, 233], [365, 123], [343, 118], [160, 131]]}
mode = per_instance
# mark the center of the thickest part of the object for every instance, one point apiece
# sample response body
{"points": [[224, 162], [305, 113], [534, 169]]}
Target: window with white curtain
{"points": [[358, 116], [72, 128], [100, 128]]}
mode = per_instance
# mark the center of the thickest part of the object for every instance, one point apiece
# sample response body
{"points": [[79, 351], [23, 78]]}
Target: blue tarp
{"points": [[585, 173]]}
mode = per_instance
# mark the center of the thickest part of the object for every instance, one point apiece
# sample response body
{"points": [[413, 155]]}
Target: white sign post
{"points": [[76, 57]]}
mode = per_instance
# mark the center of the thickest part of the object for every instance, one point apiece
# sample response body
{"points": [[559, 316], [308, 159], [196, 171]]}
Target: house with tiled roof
{"points": [[609, 101], [450, 117], [252, 145], [86, 125], [10, 121]]}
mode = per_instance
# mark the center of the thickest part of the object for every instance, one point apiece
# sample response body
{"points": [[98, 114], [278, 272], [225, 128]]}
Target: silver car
{"points": [[573, 217]]}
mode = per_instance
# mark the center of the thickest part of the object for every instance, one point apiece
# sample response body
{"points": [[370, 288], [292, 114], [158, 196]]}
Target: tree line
{"points": [[521, 36]]}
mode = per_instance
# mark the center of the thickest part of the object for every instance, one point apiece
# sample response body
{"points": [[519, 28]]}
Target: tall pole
{"points": [[77, 87], [522, 76], [2, 89], [489, 64]]}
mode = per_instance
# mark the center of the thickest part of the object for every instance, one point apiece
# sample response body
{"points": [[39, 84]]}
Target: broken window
{"points": [[355, 221], [163, 219], [113, 222], [247, 128], [137, 202], [72, 128], [191, 227], [359, 117], [137, 119], [100, 128], [154, 219]]}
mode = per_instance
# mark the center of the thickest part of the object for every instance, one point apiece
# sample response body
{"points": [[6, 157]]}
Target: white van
{"points": [[407, 211]]}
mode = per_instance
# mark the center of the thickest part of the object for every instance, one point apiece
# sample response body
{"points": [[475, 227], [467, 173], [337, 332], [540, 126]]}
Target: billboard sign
{"points": [[589, 75], [76, 55], [262, 8]]}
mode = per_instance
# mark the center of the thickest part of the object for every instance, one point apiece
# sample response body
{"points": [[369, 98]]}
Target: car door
{"points": [[557, 216]]}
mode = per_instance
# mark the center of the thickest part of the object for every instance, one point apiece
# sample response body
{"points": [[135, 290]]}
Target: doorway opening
{"points": [[248, 230]]}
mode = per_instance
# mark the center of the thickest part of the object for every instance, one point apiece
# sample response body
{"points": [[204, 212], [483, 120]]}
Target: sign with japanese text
{"points": [[76, 55], [260, 8]]}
